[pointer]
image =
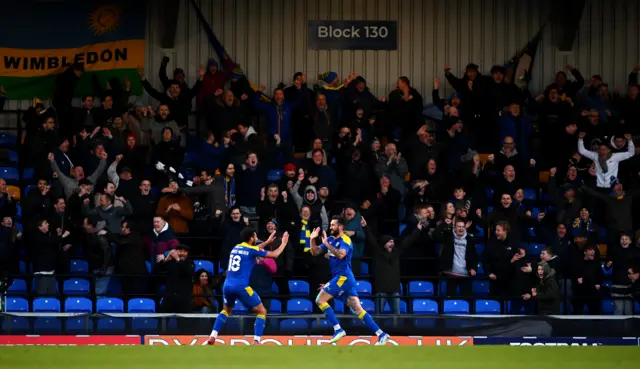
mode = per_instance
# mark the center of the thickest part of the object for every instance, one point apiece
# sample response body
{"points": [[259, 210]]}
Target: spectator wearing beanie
{"points": [[289, 177]]}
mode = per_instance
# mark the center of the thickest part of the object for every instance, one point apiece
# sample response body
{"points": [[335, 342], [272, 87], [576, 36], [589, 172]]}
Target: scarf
{"points": [[579, 224], [618, 197], [305, 234], [230, 191], [603, 163]]}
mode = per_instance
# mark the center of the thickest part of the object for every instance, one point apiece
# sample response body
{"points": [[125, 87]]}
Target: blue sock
{"points": [[368, 321], [221, 320], [258, 327], [331, 316]]}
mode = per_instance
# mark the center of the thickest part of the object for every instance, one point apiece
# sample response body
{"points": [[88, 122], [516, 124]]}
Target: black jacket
{"points": [[591, 273], [621, 260], [386, 265], [179, 107], [45, 250], [447, 250], [144, 209], [496, 258], [547, 292], [130, 255], [179, 278]]}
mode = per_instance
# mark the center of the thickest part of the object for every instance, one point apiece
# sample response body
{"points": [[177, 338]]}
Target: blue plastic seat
{"points": [[190, 157], [363, 288], [276, 307], [8, 140], [456, 307], [605, 270], [204, 264], [607, 307], [299, 307], [529, 194], [401, 228], [298, 288], [78, 305], [144, 325], [28, 189], [46, 305], [111, 325], [535, 249], [109, 305], [33, 287], [28, 174], [18, 211], [240, 308], [148, 265], [322, 324], [23, 267], [19, 287], [487, 307], [425, 307], [47, 325], [114, 288], [479, 248], [338, 306], [480, 270], [489, 192], [387, 308], [421, 288], [274, 175], [480, 288], [17, 304], [293, 325], [13, 156], [479, 232], [76, 325], [15, 324], [364, 269], [78, 266], [141, 306], [9, 173], [368, 305], [274, 288], [76, 286], [489, 209]]}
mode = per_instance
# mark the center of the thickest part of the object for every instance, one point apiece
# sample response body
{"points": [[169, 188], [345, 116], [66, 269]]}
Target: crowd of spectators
{"points": [[122, 184]]}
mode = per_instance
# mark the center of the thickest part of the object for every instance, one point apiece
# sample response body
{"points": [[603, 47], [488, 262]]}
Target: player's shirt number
{"points": [[234, 263]]}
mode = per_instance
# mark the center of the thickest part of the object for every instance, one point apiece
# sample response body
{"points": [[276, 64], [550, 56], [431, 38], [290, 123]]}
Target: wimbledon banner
{"points": [[41, 39]]}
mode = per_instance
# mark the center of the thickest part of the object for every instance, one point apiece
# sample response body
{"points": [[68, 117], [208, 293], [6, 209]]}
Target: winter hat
{"points": [[273, 220], [328, 77], [360, 79], [472, 66], [497, 69], [384, 239], [289, 167], [296, 75], [237, 72], [177, 72], [212, 63]]}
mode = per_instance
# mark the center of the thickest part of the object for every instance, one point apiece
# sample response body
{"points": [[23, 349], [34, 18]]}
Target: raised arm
{"points": [[631, 150], [283, 243], [315, 249], [584, 152]]}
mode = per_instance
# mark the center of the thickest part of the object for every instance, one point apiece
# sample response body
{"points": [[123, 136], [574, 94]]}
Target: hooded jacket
{"points": [[318, 212], [547, 292], [386, 264], [448, 250]]}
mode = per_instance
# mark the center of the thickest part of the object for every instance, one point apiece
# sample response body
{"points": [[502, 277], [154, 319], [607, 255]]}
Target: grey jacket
{"points": [[112, 215], [396, 171], [70, 185], [154, 128]]}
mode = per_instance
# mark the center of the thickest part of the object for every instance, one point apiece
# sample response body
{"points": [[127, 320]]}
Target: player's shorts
{"points": [[341, 287], [245, 294]]}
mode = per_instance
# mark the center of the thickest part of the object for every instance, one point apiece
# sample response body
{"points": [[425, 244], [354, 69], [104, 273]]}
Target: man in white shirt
{"points": [[606, 162]]}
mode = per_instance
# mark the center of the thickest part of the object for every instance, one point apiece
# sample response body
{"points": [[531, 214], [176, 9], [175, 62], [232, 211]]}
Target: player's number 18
{"points": [[234, 263]]}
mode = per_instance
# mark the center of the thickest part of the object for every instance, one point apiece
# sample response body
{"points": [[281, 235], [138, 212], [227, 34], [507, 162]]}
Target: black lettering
{"points": [[66, 63], [92, 57], [121, 54], [25, 63], [37, 63], [11, 62], [79, 58], [106, 55], [53, 63]]}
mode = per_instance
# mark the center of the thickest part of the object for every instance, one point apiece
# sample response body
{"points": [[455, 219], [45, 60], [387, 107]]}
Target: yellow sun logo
{"points": [[105, 19]]}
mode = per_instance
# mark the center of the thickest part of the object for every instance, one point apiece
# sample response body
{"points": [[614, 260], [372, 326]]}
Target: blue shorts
{"points": [[245, 294], [341, 287]]}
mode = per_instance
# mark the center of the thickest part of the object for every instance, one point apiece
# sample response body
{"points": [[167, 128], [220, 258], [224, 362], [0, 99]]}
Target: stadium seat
{"points": [[387, 308], [8, 140], [111, 325], [141, 306], [274, 175], [368, 305], [322, 324], [23, 267], [479, 232], [78, 305], [276, 307], [420, 288], [338, 306], [298, 288], [77, 325], [46, 305], [529, 194], [479, 248], [18, 287], [28, 189], [190, 157], [204, 264], [425, 307], [18, 211], [17, 304], [480, 288], [607, 307], [606, 271], [19, 227], [363, 288], [240, 308], [299, 307], [79, 267], [489, 192], [364, 270], [15, 324], [480, 270], [293, 325], [114, 288], [9, 173], [28, 174], [487, 307], [47, 325], [109, 305], [274, 288], [148, 264], [535, 249], [489, 209], [401, 228], [33, 287], [14, 191], [144, 325], [455, 307], [636, 307], [76, 286], [13, 156]]}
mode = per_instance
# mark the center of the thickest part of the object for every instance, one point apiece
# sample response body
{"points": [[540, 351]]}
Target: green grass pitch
{"points": [[283, 357]]}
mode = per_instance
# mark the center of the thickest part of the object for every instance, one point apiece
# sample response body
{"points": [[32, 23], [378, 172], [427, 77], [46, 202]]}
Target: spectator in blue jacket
{"points": [[514, 124], [251, 179], [210, 153], [318, 171]]}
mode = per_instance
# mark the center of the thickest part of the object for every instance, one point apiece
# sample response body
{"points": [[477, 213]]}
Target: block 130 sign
{"points": [[353, 35]]}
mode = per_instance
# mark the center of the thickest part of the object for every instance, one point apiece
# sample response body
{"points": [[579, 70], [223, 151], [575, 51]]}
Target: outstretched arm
{"points": [[275, 253]]}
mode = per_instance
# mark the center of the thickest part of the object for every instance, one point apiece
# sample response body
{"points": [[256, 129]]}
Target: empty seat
{"points": [[607, 307], [111, 325], [47, 325], [298, 288], [274, 288], [364, 269], [368, 305], [487, 307], [19, 286], [480, 288], [605, 270], [274, 175], [387, 308], [15, 324], [299, 306], [141, 305], [109, 305], [338, 306], [535, 249], [9, 173], [76, 286], [17, 304], [204, 264], [8, 140], [276, 307], [425, 307], [480, 270], [479, 248], [322, 324], [33, 287], [363, 288], [148, 264], [14, 191], [144, 325], [240, 308], [28, 173], [78, 305], [292, 325], [79, 325], [79, 267], [529, 194], [46, 305], [489, 192], [456, 307], [420, 288], [190, 157]]}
